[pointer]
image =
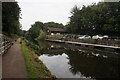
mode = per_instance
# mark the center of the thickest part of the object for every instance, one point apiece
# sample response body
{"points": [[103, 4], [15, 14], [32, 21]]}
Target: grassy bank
{"points": [[54, 36], [35, 67]]}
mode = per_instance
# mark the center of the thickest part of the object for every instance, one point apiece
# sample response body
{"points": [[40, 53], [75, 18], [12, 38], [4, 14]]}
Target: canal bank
{"points": [[89, 46], [35, 67], [68, 61], [71, 61]]}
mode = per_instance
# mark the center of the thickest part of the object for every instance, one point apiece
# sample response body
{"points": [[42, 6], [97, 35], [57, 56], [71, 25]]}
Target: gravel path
{"points": [[13, 64]]}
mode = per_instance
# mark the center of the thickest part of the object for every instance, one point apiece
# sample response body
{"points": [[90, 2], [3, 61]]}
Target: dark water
{"points": [[69, 61]]}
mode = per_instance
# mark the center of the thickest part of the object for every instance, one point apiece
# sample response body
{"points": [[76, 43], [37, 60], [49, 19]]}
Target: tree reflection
{"points": [[95, 67], [85, 63]]}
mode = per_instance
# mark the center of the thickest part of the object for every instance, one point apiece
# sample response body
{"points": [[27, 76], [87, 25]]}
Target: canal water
{"points": [[69, 61]]}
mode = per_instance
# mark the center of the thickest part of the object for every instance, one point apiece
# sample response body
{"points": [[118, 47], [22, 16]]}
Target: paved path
{"points": [[13, 63]]}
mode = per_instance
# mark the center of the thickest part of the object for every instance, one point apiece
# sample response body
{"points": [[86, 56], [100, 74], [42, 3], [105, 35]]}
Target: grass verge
{"points": [[35, 67]]}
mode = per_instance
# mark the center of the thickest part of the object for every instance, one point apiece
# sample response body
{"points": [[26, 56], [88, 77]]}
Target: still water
{"points": [[68, 61]]}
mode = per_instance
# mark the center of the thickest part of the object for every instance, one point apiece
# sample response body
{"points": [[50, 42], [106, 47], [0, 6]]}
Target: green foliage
{"points": [[33, 46], [23, 32], [54, 25], [10, 18], [33, 32], [102, 18], [41, 41], [41, 36]]}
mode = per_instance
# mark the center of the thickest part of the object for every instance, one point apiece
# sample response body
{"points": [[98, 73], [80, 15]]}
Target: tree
{"points": [[102, 18], [34, 31], [35, 28], [10, 17], [54, 25], [41, 36]]}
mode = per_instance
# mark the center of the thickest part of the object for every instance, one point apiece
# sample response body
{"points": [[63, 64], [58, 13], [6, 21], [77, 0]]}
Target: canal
{"points": [[70, 61]]}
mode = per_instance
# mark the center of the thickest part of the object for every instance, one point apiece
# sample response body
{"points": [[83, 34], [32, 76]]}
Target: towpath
{"points": [[13, 63]]}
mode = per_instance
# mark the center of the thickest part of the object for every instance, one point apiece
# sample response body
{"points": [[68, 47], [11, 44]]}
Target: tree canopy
{"points": [[10, 17], [102, 18], [54, 25], [34, 31]]}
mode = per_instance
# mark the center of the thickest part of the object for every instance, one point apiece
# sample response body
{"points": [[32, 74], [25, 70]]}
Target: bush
{"points": [[41, 36], [33, 46]]}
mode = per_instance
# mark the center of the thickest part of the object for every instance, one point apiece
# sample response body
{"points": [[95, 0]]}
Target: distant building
{"points": [[52, 31]]}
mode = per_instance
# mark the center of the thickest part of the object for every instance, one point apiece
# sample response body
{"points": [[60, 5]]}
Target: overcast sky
{"points": [[48, 10]]}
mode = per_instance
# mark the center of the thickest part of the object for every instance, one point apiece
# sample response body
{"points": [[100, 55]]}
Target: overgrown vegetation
{"points": [[102, 18], [35, 67]]}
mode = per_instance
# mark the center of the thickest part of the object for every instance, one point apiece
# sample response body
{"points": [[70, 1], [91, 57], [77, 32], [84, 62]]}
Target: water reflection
{"points": [[58, 65], [66, 62]]}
